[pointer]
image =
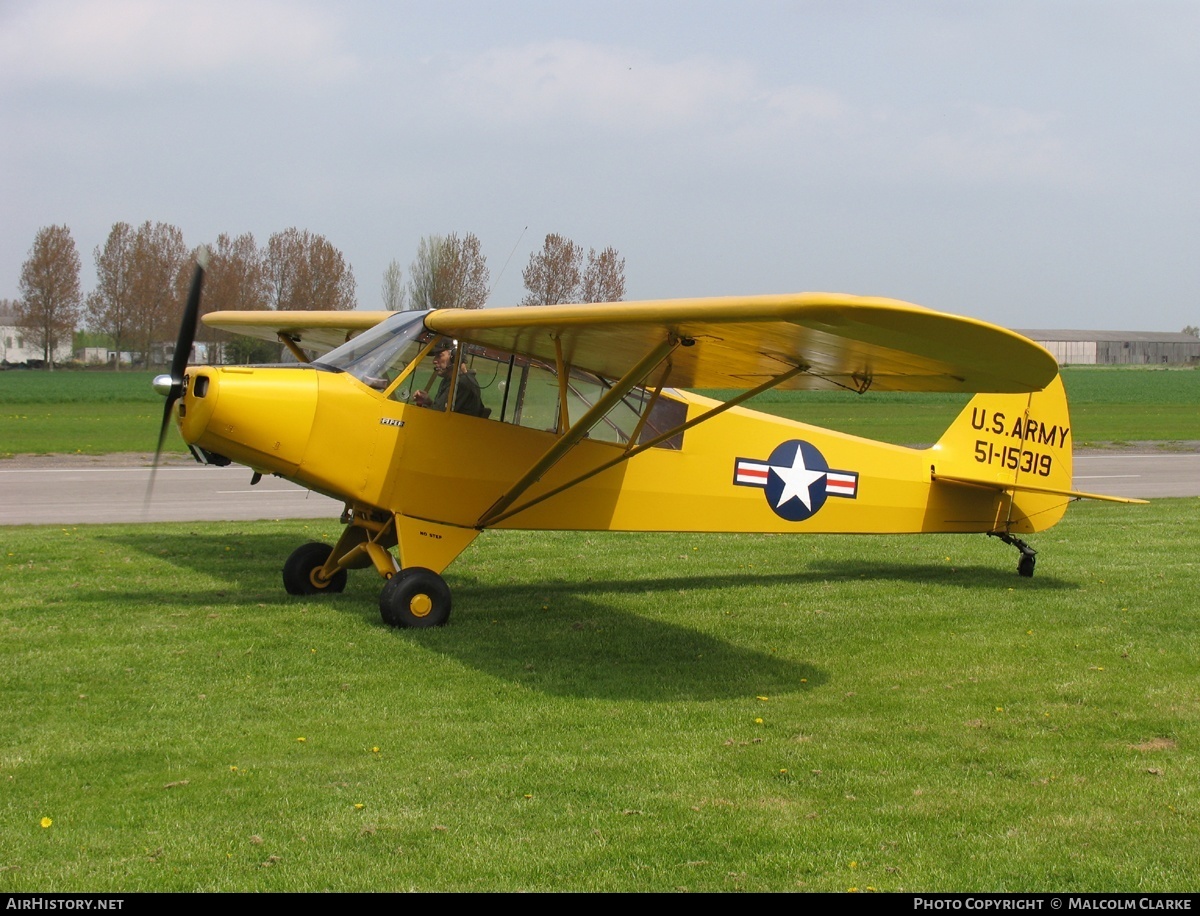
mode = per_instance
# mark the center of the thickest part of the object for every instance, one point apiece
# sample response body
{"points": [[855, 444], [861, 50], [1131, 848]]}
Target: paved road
{"points": [[67, 490], [1144, 474]]}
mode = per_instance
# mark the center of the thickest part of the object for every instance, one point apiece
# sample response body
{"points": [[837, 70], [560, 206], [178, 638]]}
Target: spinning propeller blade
{"points": [[172, 385]]}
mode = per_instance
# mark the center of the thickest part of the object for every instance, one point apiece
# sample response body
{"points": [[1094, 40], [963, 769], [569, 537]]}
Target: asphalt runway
{"points": [[68, 490], [71, 490]]}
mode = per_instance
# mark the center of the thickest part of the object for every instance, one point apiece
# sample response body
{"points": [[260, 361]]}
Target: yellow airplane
{"points": [[433, 426]]}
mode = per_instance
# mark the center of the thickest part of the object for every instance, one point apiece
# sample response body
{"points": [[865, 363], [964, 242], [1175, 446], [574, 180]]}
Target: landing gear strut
{"points": [[1028, 558], [413, 595]]}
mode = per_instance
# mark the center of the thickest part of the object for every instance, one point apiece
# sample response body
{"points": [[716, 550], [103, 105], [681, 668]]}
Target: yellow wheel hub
{"points": [[420, 605]]}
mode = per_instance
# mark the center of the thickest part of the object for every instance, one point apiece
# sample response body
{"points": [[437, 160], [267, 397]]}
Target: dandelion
{"points": [[232, 768], [758, 721], [374, 750], [358, 806], [301, 739], [764, 699], [46, 822]]}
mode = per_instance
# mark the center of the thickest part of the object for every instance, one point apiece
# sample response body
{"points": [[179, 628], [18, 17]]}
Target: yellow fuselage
{"points": [[331, 433]]}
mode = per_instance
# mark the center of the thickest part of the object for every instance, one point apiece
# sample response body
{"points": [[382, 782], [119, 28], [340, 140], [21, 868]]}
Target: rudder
{"points": [[1017, 444]]}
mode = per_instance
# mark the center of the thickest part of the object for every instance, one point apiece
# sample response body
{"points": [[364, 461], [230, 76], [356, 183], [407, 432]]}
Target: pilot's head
{"points": [[443, 358]]}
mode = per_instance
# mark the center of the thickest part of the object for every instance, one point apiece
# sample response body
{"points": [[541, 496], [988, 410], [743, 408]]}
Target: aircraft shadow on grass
{"points": [[572, 637]]}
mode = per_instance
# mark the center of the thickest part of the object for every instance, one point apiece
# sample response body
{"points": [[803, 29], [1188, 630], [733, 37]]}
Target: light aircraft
{"points": [[433, 426]]}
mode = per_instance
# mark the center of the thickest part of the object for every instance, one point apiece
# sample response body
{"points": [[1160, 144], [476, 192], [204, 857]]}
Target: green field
{"points": [[100, 412], [704, 713], [90, 413]]}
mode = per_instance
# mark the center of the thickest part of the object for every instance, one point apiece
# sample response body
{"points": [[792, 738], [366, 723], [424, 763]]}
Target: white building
{"points": [[15, 350], [1115, 348]]}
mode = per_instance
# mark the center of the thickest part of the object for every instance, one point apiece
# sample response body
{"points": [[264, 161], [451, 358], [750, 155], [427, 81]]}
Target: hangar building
{"points": [[1113, 348]]}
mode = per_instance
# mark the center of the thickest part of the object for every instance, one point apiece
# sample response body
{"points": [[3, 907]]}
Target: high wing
{"points": [[319, 332], [833, 340], [741, 342]]}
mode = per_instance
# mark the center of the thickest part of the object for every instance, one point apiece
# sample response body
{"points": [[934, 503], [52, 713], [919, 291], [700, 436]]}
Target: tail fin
{"points": [[1018, 445]]}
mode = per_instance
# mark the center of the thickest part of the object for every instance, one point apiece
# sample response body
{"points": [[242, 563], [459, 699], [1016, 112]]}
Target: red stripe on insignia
{"points": [[754, 473], [841, 484]]}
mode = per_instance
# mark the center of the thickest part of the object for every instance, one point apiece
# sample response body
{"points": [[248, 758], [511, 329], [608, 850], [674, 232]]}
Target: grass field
{"points": [[101, 412], [609, 712], [92, 413]]}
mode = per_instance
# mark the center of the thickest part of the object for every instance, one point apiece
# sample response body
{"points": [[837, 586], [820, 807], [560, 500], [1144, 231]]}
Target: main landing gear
{"points": [[1028, 558], [414, 596], [302, 573]]}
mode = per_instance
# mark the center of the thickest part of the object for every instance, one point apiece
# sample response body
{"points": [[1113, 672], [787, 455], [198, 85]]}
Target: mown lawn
{"points": [[606, 712]]}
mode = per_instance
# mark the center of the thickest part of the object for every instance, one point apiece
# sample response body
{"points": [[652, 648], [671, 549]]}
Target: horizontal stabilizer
{"points": [[1031, 488]]}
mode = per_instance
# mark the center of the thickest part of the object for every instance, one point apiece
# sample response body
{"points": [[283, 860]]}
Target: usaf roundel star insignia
{"points": [[796, 479]]}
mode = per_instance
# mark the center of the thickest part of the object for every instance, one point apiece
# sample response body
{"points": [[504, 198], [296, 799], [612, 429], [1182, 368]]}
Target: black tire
{"points": [[1025, 565], [300, 566], [415, 597]]}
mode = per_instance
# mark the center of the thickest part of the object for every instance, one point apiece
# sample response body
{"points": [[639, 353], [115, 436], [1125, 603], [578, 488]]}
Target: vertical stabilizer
{"points": [[1010, 442]]}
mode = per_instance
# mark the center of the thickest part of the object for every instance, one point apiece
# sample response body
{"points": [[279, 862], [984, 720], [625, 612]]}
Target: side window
{"points": [[536, 396], [525, 392]]}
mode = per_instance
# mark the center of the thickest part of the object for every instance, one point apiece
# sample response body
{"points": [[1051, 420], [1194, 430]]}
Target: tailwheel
{"points": [[1028, 558], [1025, 565], [415, 597], [302, 571]]}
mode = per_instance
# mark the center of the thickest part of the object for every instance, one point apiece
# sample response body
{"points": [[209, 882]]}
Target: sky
{"points": [[1032, 163]]}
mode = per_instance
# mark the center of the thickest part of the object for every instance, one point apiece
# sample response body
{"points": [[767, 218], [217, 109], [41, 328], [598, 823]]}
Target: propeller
{"points": [[172, 385]]}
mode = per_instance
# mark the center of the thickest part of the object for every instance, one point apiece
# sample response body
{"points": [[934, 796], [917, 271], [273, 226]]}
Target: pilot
{"points": [[467, 398]]}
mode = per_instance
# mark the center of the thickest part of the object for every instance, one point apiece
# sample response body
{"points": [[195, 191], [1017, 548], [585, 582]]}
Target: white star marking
{"points": [[796, 480]]}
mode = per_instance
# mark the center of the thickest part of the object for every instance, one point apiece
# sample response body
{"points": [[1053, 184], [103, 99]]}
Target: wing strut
{"points": [[579, 428], [287, 341], [496, 516]]}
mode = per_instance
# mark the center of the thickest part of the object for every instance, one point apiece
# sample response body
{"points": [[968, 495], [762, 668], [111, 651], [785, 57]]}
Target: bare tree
{"points": [[553, 274], [604, 277], [423, 273], [110, 307], [304, 271], [449, 272], [237, 279], [160, 275], [50, 300], [393, 289]]}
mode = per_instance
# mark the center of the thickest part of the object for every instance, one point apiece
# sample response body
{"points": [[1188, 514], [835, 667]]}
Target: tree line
{"points": [[142, 276]]}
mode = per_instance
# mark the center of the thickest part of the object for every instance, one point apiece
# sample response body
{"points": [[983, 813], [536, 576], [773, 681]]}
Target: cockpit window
{"points": [[378, 356], [396, 356], [526, 392]]}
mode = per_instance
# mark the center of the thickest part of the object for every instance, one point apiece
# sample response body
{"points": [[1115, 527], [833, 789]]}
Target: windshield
{"points": [[377, 356]]}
